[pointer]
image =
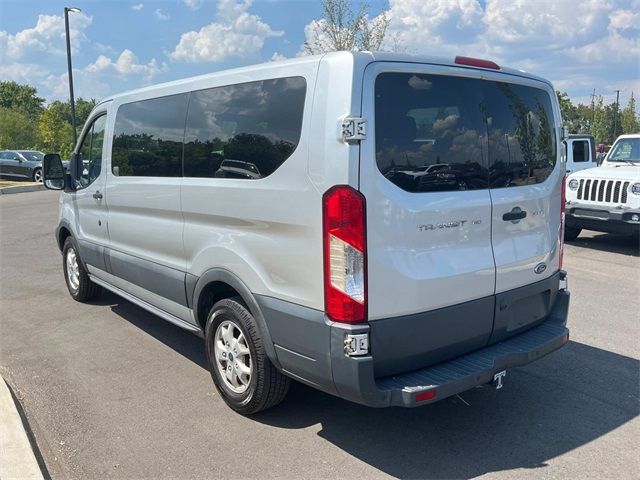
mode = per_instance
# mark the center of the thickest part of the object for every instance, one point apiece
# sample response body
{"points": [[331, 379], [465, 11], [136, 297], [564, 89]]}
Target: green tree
{"points": [[56, 134], [21, 97], [17, 130], [629, 120], [83, 109]]}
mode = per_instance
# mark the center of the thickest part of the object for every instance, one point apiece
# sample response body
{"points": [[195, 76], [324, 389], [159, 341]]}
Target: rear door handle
{"points": [[514, 215], [97, 195]]}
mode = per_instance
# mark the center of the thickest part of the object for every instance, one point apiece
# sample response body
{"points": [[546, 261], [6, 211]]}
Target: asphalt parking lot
{"points": [[109, 390]]}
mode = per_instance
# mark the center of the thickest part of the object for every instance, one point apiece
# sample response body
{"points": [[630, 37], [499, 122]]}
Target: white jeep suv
{"points": [[607, 198]]}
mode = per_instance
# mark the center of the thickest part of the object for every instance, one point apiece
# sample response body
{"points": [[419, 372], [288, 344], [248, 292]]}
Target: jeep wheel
{"points": [[243, 374]]}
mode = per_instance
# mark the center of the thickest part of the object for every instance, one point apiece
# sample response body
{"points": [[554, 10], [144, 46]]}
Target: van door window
{"points": [[148, 136], [522, 142], [430, 132], [580, 151], [90, 153], [243, 131]]}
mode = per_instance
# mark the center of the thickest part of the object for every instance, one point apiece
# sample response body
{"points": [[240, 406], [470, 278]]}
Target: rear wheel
{"points": [[37, 175], [243, 374], [571, 233], [80, 287]]}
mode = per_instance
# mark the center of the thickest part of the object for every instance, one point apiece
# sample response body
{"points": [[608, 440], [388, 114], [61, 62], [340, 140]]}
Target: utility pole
{"points": [[615, 118], [72, 101], [593, 109]]}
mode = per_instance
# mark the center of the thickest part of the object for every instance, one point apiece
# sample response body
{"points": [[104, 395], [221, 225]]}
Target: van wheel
{"points": [[571, 233], [80, 287], [243, 374]]}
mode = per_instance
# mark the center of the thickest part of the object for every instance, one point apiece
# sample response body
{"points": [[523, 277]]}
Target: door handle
{"points": [[97, 195], [514, 215]]}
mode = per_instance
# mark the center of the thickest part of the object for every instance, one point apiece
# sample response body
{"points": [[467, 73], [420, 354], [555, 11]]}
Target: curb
{"points": [[17, 459], [21, 189]]}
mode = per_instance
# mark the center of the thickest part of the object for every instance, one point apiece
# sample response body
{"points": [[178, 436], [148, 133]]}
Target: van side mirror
{"points": [[53, 172]]}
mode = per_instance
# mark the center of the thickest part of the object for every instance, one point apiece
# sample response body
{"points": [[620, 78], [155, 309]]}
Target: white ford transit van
{"points": [[382, 227]]}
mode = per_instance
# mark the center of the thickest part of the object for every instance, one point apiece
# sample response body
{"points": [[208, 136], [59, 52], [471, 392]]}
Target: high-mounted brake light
{"points": [[345, 255], [563, 201], [476, 62]]}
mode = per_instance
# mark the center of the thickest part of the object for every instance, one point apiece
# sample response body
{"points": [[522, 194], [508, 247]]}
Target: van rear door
{"points": [[525, 177], [424, 174]]}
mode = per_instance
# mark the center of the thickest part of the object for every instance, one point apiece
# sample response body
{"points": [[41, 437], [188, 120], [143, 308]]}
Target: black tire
{"points": [[37, 175], [86, 290], [571, 233], [267, 387]]}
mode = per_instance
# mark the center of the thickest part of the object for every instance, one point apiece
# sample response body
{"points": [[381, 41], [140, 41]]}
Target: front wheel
{"points": [[243, 374], [571, 233], [81, 288], [37, 175]]}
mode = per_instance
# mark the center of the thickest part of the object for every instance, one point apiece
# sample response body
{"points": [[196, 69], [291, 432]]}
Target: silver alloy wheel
{"points": [[233, 357], [73, 270], [37, 175]]}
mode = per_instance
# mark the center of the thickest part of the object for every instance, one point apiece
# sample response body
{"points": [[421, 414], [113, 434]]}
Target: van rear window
{"points": [[440, 133]]}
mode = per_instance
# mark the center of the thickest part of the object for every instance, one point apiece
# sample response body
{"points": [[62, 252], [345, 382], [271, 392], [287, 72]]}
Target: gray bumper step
{"points": [[476, 368]]}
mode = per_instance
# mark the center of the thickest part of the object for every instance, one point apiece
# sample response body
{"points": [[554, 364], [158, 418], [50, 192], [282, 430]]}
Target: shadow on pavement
{"points": [[609, 242], [548, 408]]}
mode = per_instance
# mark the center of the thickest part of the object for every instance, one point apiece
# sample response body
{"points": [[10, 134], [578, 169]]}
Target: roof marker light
{"points": [[476, 62]]}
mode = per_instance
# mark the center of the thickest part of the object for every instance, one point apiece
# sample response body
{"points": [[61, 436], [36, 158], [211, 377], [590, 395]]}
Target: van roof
{"points": [[360, 58]]}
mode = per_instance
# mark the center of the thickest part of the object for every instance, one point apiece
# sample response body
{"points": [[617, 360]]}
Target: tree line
{"points": [[26, 123], [604, 121]]}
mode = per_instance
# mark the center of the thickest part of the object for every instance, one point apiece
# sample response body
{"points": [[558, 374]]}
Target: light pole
{"points": [[73, 103]]}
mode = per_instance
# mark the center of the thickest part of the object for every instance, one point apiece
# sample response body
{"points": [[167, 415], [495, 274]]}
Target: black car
{"points": [[22, 164]]}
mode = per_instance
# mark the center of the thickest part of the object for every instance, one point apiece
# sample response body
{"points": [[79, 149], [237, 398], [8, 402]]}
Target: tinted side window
{"points": [[91, 152], [243, 131], [580, 151], [430, 132], [522, 143], [148, 137]]}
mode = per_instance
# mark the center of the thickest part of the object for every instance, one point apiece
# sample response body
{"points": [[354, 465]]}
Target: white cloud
{"points": [[276, 57], [137, 7], [160, 15], [48, 36], [125, 65], [235, 33], [193, 4]]}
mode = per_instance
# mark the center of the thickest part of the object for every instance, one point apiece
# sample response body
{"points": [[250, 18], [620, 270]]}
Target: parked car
{"points": [[607, 198], [21, 164], [316, 264], [581, 152]]}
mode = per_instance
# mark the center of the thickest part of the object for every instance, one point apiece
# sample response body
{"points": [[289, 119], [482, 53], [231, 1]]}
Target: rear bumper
{"points": [[355, 381], [317, 357], [601, 218]]}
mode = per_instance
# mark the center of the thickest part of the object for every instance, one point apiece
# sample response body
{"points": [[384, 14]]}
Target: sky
{"points": [[579, 45]]}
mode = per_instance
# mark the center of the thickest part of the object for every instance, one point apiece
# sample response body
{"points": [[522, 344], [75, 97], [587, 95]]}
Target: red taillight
{"points": [[428, 395], [563, 201], [476, 62], [345, 250]]}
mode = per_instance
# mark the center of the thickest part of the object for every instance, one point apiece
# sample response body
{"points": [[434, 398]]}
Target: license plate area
{"points": [[523, 308]]}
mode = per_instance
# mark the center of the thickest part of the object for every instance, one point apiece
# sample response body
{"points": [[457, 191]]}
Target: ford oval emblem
{"points": [[541, 267]]}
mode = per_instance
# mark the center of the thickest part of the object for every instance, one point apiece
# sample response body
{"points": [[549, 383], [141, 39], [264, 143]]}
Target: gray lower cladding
{"points": [[164, 281], [409, 342], [310, 348], [602, 219]]}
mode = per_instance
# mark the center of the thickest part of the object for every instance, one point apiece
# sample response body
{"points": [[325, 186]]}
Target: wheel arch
{"points": [[62, 232], [216, 284]]}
